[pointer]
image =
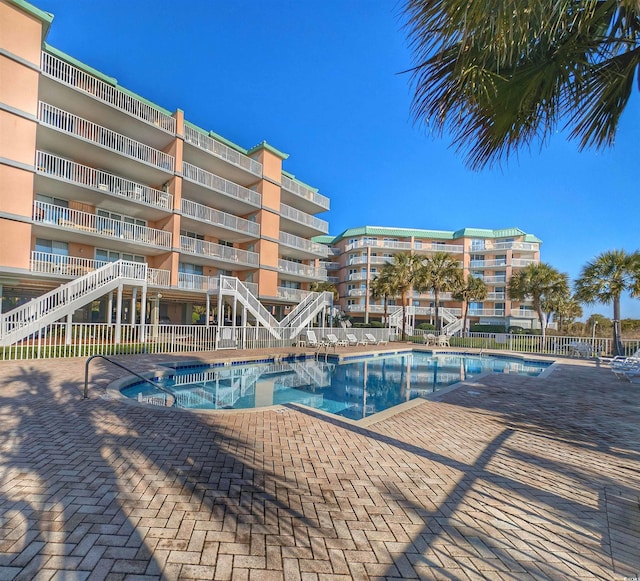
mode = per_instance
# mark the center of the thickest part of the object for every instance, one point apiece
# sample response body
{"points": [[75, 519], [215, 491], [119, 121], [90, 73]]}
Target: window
{"points": [[501, 260], [477, 245], [102, 255], [289, 284], [189, 234], [52, 247], [188, 268]]}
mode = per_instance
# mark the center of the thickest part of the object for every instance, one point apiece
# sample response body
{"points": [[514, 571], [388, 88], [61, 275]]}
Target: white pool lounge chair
{"points": [[371, 339], [353, 340], [334, 342], [312, 340]]}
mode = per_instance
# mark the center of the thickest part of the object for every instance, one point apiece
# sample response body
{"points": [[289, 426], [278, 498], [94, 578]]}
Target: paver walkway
{"points": [[505, 478]]}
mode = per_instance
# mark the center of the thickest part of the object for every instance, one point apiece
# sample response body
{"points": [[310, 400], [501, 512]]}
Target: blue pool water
{"points": [[355, 388]]}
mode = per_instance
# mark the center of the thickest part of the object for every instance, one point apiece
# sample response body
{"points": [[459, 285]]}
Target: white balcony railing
{"points": [[306, 193], [57, 264], [486, 313], [524, 313], [437, 247], [220, 185], [303, 218], [487, 263], [72, 76], [520, 262], [357, 276], [218, 251], [103, 137], [305, 270], [303, 244], [197, 282], [373, 243], [496, 296], [527, 246], [494, 279], [50, 214], [292, 294], [222, 151], [357, 292], [218, 218], [331, 265], [51, 165]]}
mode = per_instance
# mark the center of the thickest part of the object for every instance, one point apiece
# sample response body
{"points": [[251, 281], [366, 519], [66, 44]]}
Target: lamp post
{"points": [[593, 336]]}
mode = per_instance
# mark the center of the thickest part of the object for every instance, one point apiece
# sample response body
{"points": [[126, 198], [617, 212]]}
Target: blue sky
{"points": [[321, 80]]}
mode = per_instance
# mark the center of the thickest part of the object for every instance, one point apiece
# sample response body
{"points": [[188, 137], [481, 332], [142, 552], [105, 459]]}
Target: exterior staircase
{"points": [[454, 324], [44, 310], [395, 320]]}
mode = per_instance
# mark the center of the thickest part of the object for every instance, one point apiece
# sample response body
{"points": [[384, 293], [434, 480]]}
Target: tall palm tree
{"points": [[406, 272], [325, 287], [500, 75], [566, 310], [442, 274], [605, 279], [474, 289], [538, 282], [382, 287]]}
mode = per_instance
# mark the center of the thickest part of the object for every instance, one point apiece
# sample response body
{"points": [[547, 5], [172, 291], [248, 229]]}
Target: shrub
{"points": [[371, 325], [477, 328], [426, 327]]}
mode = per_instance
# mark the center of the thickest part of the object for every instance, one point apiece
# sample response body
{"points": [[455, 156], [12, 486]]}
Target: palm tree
{"points": [[538, 282], [325, 287], [605, 279], [474, 289], [500, 75], [406, 272], [566, 310], [382, 287], [442, 274]]}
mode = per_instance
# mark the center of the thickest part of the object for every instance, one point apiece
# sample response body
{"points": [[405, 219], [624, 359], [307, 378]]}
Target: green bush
{"points": [[371, 325], [426, 327], [477, 328]]}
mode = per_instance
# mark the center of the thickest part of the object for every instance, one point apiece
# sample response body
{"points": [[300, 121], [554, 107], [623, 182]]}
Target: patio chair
{"points": [[371, 339], [430, 339], [443, 341], [353, 340], [334, 342], [312, 340]]}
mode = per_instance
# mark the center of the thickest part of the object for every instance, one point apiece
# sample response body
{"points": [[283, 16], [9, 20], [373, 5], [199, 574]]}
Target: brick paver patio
{"points": [[505, 478]]}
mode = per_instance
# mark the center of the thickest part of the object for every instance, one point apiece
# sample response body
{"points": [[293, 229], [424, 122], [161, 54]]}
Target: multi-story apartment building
{"points": [[91, 173], [356, 256]]}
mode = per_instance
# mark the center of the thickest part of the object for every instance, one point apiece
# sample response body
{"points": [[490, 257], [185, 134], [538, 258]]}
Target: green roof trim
{"points": [[45, 17], [265, 145], [429, 234], [107, 79]]}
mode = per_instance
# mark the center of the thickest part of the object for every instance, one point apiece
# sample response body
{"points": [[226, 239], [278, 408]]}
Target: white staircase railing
{"points": [[304, 313], [315, 372], [395, 319], [231, 286], [454, 324], [66, 299]]}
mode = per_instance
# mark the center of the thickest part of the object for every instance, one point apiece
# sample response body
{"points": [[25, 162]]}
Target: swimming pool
{"points": [[353, 388]]}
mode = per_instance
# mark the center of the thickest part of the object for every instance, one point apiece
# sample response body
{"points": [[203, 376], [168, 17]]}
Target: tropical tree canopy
{"points": [[605, 279], [325, 286], [501, 74], [442, 273], [539, 283], [474, 289]]}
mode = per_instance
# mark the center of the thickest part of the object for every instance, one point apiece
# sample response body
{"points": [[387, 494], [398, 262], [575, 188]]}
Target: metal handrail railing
{"points": [[85, 393]]}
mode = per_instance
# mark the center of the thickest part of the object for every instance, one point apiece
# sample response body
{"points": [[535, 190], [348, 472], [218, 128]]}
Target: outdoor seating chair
{"points": [[443, 341], [373, 341], [579, 349], [334, 342], [429, 339], [353, 340], [312, 340]]}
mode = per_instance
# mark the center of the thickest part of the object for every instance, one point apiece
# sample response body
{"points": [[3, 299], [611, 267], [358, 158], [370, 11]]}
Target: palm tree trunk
{"points": [[404, 317], [618, 348], [464, 319], [385, 314], [436, 294], [542, 325]]}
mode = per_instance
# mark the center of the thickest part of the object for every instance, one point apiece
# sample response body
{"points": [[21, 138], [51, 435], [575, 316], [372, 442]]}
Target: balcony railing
{"points": [[486, 263], [486, 313], [519, 262], [357, 276], [373, 243], [71, 76], [198, 282], [106, 138], [529, 246], [306, 193], [357, 292], [220, 185], [50, 214], [331, 265], [218, 218], [49, 263], [524, 313], [291, 294], [494, 279], [218, 251], [52, 165], [303, 218], [305, 270], [496, 296], [303, 244], [438, 247], [222, 151]]}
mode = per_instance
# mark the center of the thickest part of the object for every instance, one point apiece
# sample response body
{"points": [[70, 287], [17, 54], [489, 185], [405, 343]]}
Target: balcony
{"points": [[240, 167], [302, 247], [491, 246], [486, 313], [357, 276], [74, 266], [227, 226], [420, 246], [524, 313], [85, 223], [70, 124], [373, 243], [227, 255], [295, 193], [521, 262], [357, 292], [102, 183], [302, 223], [301, 270], [496, 296], [72, 76], [197, 282], [487, 263], [293, 295], [232, 193], [494, 279]]}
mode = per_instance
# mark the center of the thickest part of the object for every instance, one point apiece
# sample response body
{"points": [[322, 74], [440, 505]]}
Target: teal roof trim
{"points": [[323, 239], [265, 145], [435, 234], [45, 17], [232, 145]]}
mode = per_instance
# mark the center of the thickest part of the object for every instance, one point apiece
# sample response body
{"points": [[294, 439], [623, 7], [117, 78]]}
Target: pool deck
{"points": [[505, 477]]}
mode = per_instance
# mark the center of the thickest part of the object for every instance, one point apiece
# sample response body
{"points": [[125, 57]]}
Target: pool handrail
{"points": [[86, 376]]}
